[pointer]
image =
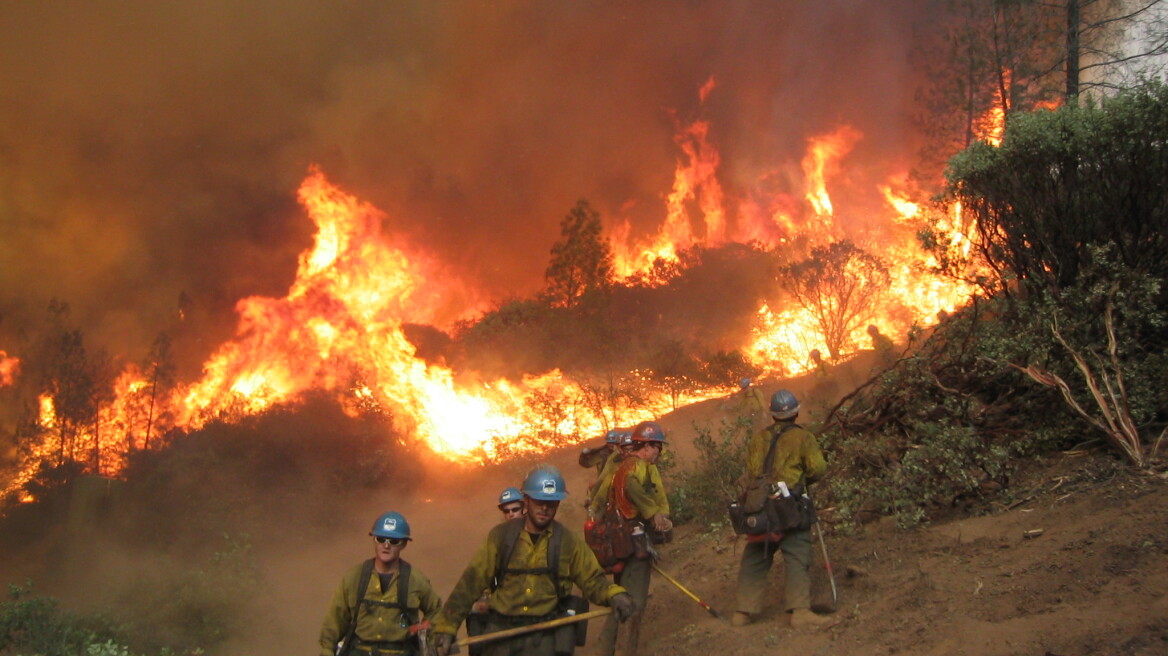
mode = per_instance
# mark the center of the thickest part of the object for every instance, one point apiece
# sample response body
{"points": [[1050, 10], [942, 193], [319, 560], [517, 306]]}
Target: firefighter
{"points": [[617, 440], [598, 491], [639, 496], [381, 603], [882, 344], [526, 588], [818, 364], [511, 503], [797, 462], [752, 403], [597, 456]]}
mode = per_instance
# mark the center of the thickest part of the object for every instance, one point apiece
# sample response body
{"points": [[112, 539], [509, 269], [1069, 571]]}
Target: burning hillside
{"points": [[444, 227], [339, 328]]}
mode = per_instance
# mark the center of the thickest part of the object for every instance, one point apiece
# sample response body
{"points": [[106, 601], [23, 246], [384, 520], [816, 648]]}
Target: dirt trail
{"points": [[1080, 568]]}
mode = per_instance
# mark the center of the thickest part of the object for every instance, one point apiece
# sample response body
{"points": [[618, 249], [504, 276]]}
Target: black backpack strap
{"points": [[362, 588], [510, 537], [507, 549], [770, 458], [403, 590], [553, 555]]}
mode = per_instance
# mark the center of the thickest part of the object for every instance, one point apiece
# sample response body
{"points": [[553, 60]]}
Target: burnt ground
{"points": [[1078, 566]]}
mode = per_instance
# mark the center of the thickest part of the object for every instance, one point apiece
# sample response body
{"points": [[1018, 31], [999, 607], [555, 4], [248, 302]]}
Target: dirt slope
{"points": [[1079, 568]]}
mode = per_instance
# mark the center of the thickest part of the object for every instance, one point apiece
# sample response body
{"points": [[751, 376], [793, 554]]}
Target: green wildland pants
{"points": [[634, 578], [757, 559]]}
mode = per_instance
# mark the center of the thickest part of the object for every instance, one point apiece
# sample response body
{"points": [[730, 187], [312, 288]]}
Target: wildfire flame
{"points": [[695, 179], [339, 327], [823, 154]]}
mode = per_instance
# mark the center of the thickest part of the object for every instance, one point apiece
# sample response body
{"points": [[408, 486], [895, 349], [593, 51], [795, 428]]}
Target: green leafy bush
{"points": [[943, 424], [700, 493], [37, 626]]}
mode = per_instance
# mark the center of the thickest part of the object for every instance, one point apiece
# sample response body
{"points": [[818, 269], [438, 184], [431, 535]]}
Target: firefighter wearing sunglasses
{"points": [[381, 603]]}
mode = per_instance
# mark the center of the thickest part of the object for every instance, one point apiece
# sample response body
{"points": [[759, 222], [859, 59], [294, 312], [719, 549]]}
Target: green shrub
{"points": [[700, 493], [37, 626]]}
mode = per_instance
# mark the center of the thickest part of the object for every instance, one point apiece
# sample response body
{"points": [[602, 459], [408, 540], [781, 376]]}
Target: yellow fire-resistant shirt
{"points": [[532, 595], [797, 456], [753, 402], [376, 623], [643, 487], [599, 489]]}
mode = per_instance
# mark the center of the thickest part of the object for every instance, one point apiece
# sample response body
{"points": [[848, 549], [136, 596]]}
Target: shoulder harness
{"points": [[769, 463], [507, 549], [403, 591]]}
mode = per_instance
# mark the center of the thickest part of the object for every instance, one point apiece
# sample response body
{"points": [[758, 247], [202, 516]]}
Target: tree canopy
{"points": [[581, 261], [1064, 180], [840, 285]]}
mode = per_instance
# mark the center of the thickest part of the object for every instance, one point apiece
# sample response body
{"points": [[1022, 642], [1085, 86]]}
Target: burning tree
{"points": [[581, 260], [841, 286]]}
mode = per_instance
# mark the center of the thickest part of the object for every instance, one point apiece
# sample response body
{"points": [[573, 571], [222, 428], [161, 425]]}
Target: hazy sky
{"points": [[148, 149]]}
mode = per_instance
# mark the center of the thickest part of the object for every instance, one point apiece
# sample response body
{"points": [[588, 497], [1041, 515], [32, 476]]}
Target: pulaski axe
{"points": [[530, 628]]}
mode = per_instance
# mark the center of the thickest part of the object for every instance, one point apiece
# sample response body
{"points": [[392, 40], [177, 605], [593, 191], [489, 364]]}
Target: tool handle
{"points": [[539, 626]]}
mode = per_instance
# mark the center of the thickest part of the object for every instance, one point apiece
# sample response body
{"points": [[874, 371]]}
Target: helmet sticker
{"points": [[390, 524], [549, 486]]}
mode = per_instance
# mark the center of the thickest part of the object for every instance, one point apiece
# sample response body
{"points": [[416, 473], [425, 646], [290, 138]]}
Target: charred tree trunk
{"points": [[1072, 92], [150, 410]]}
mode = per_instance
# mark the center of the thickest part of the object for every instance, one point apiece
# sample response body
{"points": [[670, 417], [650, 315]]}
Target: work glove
{"points": [[661, 523], [623, 606], [442, 644]]}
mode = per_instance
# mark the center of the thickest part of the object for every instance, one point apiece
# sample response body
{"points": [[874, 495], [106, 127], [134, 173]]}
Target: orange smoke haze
{"points": [[9, 367]]}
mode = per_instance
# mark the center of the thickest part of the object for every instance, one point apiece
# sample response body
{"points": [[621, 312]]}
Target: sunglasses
{"points": [[392, 541], [512, 511]]}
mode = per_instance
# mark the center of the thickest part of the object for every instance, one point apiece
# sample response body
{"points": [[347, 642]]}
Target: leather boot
{"points": [[805, 618], [740, 618]]}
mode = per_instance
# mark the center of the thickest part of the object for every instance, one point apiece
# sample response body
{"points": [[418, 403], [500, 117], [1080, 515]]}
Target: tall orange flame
{"points": [[822, 158]]}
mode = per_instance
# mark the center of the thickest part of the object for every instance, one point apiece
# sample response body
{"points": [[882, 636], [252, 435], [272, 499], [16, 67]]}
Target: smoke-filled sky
{"points": [[150, 149]]}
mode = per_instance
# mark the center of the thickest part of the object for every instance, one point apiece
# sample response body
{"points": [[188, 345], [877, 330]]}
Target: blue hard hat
{"points": [[391, 525], [509, 495], [784, 405], [648, 431], [612, 436], [745, 382], [544, 483]]}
